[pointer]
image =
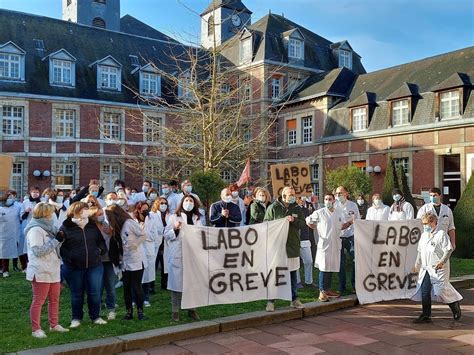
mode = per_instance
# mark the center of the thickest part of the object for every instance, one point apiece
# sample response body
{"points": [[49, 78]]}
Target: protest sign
{"points": [[297, 175], [385, 253], [235, 265], [5, 171]]}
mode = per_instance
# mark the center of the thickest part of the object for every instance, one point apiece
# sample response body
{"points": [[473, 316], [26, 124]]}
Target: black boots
{"points": [[141, 316], [128, 315], [422, 319], [193, 315], [456, 309]]}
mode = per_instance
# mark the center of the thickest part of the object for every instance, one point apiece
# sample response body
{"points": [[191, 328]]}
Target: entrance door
{"points": [[451, 179]]}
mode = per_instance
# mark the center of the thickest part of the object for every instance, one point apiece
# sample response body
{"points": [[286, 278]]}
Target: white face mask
{"points": [[163, 208], [110, 202], [188, 206], [81, 222], [235, 194], [340, 199], [60, 199], [262, 199], [377, 203], [360, 202], [153, 196], [227, 199]]}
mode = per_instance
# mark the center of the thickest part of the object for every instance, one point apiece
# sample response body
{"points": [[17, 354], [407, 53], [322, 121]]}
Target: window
{"points": [[153, 171], [276, 88], [246, 89], [12, 120], [153, 128], [185, 87], [449, 104], [62, 72], [400, 113], [315, 178], [150, 84], [226, 175], [360, 164], [359, 119], [16, 181], [345, 59], [295, 48], [39, 45], [307, 123], [403, 162], [246, 133], [134, 60], [64, 174], [110, 173], [291, 129], [65, 123], [10, 66], [111, 126], [109, 78], [98, 22], [246, 50]]}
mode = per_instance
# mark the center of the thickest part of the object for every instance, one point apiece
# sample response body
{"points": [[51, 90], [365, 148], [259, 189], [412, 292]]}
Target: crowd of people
{"points": [[94, 241]]}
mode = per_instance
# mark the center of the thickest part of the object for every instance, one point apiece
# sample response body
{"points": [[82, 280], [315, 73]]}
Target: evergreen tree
{"points": [[390, 182], [353, 179], [464, 221], [403, 185]]}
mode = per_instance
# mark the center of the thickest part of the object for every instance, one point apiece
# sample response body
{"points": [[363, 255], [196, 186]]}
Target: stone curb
{"points": [[162, 336]]}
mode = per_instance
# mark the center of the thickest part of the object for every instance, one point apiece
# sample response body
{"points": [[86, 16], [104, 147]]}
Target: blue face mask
{"points": [[60, 199], [95, 193], [328, 204], [118, 188], [397, 197], [144, 189], [188, 189], [165, 191], [434, 199], [9, 202], [427, 228], [291, 199]]}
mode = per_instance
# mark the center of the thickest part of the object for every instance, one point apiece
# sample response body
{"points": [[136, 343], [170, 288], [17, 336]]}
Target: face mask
{"points": [[81, 222], [165, 191], [328, 204], [163, 208], [145, 213], [153, 196], [9, 202], [35, 195], [72, 195], [110, 202], [118, 188], [133, 194], [235, 194], [101, 219], [95, 193], [121, 203], [144, 189], [227, 199], [188, 189], [397, 197], [44, 199], [360, 202], [60, 199], [262, 199], [377, 203], [291, 199], [434, 199], [340, 199], [427, 228], [188, 206]]}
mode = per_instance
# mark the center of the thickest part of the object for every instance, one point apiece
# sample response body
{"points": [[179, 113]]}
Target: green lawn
{"points": [[15, 299]]}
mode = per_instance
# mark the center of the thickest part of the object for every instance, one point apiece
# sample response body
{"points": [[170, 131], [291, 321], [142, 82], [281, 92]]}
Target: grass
{"points": [[15, 300]]}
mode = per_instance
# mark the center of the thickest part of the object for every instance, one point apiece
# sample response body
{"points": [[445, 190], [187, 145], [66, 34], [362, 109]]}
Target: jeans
{"points": [[108, 283], [324, 280], [81, 281], [294, 286], [132, 280], [426, 295], [307, 258], [348, 246]]}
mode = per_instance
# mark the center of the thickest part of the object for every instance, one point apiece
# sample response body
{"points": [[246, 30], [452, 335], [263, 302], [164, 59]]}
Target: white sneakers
{"points": [[99, 321], [270, 307], [297, 304], [40, 334], [111, 315], [146, 304], [75, 323], [59, 328], [7, 274]]}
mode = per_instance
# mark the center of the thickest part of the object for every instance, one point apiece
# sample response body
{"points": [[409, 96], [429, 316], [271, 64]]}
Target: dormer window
{"points": [[12, 62], [345, 59], [62, 71], [401, 112], [359, 119], [62, 68], [185, 87], [246, 50], [295, 48], [449, 104], [150, 83], [109, 74]]}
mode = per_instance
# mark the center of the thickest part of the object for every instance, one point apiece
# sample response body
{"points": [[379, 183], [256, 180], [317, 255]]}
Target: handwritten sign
{"points": [[297, 175], [235, 265], [385, 253]]}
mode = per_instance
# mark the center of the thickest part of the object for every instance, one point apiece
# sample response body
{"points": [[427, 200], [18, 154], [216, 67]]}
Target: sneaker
{"points": [[119, 284], [75, 323], [333, 294], [134, 304], [270, 307], [323, 297], [296, 304], [16, 268], [99, 321], [40, 334], [111, 315], [140, 315], [422, 319], [6, 274], [58, 328], [299, 285], [146, 304]]}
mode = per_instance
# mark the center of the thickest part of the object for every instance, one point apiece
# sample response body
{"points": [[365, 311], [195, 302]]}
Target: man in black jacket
{"points": [[225, 213]]}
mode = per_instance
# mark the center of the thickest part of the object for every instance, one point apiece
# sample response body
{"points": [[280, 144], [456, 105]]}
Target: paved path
{"points": [[383, 328]]}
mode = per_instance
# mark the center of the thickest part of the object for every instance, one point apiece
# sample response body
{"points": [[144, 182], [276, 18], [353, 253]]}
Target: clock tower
{"points": [[221, 20]]}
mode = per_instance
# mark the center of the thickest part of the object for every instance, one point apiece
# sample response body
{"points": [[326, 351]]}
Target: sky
{"points": [[384, 33]]}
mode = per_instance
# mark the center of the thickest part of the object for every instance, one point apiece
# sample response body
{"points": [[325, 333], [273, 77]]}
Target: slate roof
{"points": [[406, 90], [131, 25], [88, 44], [230, 4], [268, 45]]}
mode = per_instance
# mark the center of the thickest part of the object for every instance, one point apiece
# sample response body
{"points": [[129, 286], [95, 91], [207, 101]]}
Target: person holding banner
{"points": [[378, 211], [330, 223], [400, 210], [286, 207], [225, 213], [187, 213], [432, 264]]}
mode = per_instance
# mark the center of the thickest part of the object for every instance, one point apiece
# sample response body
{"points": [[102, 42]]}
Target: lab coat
{"points": [[328, 224], [406, 213], [431, 249], [378, 214], [445, 218], [174, 257], [9, 232]]}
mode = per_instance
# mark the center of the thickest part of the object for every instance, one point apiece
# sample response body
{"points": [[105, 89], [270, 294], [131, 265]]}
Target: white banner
{"points": [[235, 265], [385, 253]]}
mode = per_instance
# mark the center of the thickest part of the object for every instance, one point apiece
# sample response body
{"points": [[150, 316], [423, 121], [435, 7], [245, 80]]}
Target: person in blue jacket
{"points": [[224, 213]]}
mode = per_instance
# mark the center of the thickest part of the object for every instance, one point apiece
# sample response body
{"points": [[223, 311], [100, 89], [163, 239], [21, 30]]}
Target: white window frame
{"points": [[65, 123], [449, 104], [110, 172], [12, 60], [60, 71], [153, 128], [17, 178], [14, 123], [307, 129], [111, 126], [106, 75], [405, 162], [226, 175], [246, 50], [359, 119], [400, 112], [185, 84], [295, 48], [276, 88], [345, 59], [64, 170], [246, 133], [150, 83]]}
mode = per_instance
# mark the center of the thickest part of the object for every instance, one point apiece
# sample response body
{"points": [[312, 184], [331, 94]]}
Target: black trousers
{"points": [[132, 280], [160, 263]]}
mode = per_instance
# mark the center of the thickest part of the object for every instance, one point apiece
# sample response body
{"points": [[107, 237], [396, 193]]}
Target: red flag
{"points": [[245, 176]]}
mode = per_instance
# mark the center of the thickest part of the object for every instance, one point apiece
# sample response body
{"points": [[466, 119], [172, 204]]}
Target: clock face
{"points": [[236, 21]]}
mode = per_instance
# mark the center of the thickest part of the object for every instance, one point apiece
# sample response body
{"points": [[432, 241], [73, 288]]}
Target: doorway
{"points": [[451, 180]]}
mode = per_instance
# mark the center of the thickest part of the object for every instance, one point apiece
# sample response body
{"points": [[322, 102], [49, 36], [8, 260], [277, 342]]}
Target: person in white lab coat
{"points": [[186, 213], [330, 221], [378, 211], [400, 210], [432, 265], [9, 232], [443, 212]]}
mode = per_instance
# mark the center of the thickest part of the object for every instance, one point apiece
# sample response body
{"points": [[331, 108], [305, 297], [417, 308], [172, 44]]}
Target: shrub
{"points": [[464, 221], [207, 185], [353, 179], [390, 182], [403, 183]]}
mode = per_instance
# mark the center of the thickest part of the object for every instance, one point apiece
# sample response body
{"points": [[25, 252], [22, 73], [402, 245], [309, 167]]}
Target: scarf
{"points": [[44, 223], [398, 206], [189, 216], [37, 200]]}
